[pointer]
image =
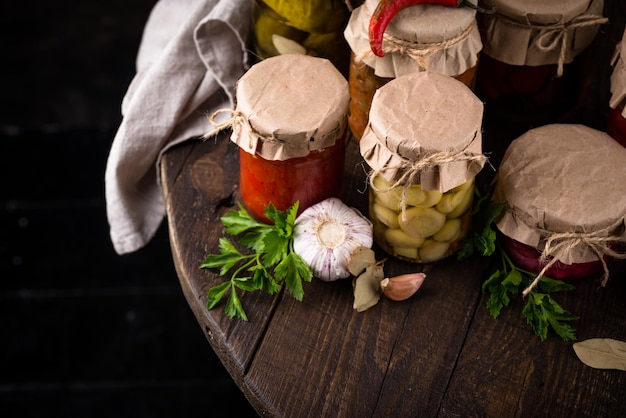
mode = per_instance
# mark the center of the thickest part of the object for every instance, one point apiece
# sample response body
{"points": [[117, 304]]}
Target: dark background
{"points": [[85, 332]]}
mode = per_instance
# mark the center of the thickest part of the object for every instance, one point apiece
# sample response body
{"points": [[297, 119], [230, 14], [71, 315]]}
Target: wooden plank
{"points": [[204, 175], [505, 370]]}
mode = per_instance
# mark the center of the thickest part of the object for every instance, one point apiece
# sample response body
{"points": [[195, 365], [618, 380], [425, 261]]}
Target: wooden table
{"points": [[438, 354]]}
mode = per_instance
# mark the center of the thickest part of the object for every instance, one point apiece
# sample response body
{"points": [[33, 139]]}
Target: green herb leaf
{"points": [[226, 260], [216, 293], [271, 262], [233, 307], [293, 269], [541, 311], [481, 236]]}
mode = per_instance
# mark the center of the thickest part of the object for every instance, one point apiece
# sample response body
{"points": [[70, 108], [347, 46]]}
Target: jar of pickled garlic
{"points": [[564, 194], [423, 147], [532, 70], [423, 37], [290, 123], [313, 27], [616, 124]]}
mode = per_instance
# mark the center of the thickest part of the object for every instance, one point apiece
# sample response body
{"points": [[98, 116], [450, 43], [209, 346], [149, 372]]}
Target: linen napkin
{"points": [[190, 57]]}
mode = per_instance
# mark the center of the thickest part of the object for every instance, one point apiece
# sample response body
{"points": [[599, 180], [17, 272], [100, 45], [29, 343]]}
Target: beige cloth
{"points": [[191, 55]]}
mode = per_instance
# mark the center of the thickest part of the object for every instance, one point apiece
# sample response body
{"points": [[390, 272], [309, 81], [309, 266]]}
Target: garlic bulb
{"points": [[326, 234]]}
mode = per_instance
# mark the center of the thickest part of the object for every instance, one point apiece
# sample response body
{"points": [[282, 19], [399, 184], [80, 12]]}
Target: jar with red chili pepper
{"points": [[616, 124], [564, 208], [423, 164], [421, 37], [313, 27], [532, 67], [290, 123]]}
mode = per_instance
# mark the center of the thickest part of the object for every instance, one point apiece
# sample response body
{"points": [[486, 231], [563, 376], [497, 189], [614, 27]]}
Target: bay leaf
{"points": [[367, 288], [602, 353], [360, 259]]}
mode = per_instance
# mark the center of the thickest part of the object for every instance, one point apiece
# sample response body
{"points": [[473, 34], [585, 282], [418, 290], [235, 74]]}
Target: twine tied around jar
{"points": [[555, 36], [559, 244], [237, 120], [411, 169], [419, 52]]}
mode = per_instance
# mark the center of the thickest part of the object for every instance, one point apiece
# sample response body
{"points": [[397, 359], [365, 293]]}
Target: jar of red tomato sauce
{"points": [[616, 125], [290, 123], [423, 164], [420, 37], [532, 70], [565, 209]]}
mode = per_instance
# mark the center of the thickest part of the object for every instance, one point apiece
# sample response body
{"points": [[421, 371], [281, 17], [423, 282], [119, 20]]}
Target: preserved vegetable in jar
{"points": [[424, 37], [291, 130], [530, 67], [313, 27], [423, 167], [555, 182], [616, 124]]}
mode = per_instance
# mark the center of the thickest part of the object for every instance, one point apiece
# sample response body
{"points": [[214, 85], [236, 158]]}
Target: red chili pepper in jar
{"points": [[387, 9]]}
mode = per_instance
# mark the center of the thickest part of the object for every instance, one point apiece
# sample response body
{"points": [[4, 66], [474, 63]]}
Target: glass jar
{"points": [[314, 27], [555, 182], [531, 69], [308, 179], [292, 132], [421, 37], [423, 167], [616, 123]]}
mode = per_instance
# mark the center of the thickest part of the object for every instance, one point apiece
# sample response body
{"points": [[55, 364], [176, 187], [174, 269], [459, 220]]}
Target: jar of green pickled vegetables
{"points": [[423, 145], [312, 27]]}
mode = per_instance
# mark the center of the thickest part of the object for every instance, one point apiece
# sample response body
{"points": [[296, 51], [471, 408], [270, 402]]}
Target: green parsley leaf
{"points": [[271, 261], [481, 236], [293, 269], [541, 311]]}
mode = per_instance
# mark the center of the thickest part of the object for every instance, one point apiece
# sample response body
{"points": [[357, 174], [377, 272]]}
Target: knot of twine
{"points": [[411, 169], [236, 121], [555, 36], [418, 52], [559, 244]]}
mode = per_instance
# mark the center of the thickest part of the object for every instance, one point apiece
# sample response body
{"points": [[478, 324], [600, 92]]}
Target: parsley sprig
{"points": [[541, 311], [268, 261]]}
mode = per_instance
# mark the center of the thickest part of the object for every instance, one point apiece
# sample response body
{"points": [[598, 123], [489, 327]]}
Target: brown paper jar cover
{"points": [[616, 123], [532, 32], [425, 26], [562, 178], [419, 114], [289, 105]]}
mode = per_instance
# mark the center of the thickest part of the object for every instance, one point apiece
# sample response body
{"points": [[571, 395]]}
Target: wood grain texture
{"points": [[438, 354]]}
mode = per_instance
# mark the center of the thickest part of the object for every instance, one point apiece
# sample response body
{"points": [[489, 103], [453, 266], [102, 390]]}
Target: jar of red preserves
{"points": [[423, 164], [420, 37], [616, 125], [565, 209], [531, 67], [290, 123]]}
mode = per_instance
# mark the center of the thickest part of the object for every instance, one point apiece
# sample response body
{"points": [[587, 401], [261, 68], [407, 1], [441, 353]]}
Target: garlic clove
{"points": [[403, 286], [327, 233], [367, 289]]}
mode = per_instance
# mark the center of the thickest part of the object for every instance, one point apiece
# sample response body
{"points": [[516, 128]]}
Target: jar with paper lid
{"points": [[532, 66], [313, 27], [420, 37], [290, 123], [564, 197], [423, 147], [616, 124]]}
